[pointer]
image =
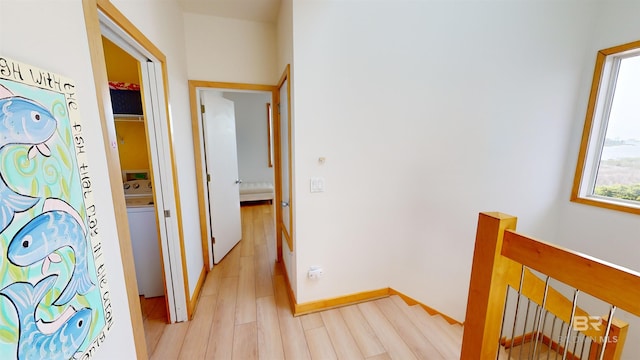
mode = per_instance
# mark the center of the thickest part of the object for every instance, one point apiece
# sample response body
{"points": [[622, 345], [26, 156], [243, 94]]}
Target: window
{"points": [[608, 170]]}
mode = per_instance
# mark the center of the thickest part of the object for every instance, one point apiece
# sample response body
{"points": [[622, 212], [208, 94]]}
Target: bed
{"points": [[256, 191]]}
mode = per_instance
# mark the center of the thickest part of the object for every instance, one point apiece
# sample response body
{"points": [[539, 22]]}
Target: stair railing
{"points": [[503, 259]]}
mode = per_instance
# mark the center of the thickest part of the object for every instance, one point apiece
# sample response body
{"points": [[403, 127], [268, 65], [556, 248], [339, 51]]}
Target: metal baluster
{"points": [[515, 318], [584, 341], [559, 339], [504, 314], [535, 318], [553, 328], [537, 327], [606, 333], [590, 347], [524, 329], [544, 323], [575, 344], [573, 313]]}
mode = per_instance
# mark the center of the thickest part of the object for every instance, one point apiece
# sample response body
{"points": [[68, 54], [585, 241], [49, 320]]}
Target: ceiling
{"points": [[253, 10]]}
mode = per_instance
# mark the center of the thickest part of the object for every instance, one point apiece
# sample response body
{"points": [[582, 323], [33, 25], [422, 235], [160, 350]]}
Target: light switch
{"points": [[317, 184]]}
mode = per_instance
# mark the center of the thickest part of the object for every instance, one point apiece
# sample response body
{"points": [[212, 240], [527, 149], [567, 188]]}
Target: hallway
{"points": [[244, 313], [242, 300]]}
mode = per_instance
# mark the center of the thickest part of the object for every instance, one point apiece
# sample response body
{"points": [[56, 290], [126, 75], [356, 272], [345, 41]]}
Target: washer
{"points": [[143, 230]]}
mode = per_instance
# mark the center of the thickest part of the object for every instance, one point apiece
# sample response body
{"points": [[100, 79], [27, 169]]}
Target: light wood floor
{"points": [[244, 313]]}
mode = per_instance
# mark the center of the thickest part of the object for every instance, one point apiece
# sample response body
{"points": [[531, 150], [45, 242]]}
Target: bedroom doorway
{"points": [[255, 149]]}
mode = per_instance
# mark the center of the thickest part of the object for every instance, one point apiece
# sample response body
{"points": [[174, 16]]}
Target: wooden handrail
{"points": [[608, 282], [499, 256]]}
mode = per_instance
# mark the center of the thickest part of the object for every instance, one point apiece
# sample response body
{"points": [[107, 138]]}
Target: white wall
{"points": [[427, 113], [223, 49], [284, 30], [252, 135], [284, 34], [152, 18], [67, 54], [606, 234]]}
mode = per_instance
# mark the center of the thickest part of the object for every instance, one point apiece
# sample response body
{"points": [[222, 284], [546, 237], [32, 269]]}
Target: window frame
{"points": [[594, 131]]}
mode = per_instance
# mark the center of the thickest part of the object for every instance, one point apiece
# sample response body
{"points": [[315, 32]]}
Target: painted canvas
{"points": [[54, 298]]}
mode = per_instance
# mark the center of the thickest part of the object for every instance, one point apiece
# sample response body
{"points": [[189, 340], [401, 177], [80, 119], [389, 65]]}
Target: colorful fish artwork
{"points": [[55, 301], [58, 226], [11, 203], [22, 122], [63, 336]]}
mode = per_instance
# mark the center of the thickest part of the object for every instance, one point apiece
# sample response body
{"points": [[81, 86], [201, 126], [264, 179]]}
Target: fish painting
{"points": [[58, 226], [11, 203], [62, 337], [55, 296], [22, 121], [25, 122]]}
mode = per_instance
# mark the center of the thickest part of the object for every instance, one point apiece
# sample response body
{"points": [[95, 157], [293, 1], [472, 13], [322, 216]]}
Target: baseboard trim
{"points": [[529, 337], [428, 309], [314, 306], [350, 299], [518, 340]]}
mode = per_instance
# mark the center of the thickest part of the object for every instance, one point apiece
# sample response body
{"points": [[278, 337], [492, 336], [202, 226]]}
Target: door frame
{"points": [[91, 10], [154, 94], [152, 91], [280, 228], [195, 86]]}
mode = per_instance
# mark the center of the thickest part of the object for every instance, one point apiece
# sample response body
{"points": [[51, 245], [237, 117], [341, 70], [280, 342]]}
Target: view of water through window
{"points": [[619, 169]]}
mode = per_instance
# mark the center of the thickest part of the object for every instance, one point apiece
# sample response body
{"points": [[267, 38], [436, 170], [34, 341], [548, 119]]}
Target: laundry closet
{"points": [[124, 79]]}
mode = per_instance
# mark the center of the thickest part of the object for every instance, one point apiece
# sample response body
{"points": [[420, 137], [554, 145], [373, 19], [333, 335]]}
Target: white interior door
{"points": [[221, 154], [163, 187]]}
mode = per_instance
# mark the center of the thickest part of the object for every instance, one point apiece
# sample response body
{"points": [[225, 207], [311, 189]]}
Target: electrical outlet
{"points": [[317, 184], [315, 272]]}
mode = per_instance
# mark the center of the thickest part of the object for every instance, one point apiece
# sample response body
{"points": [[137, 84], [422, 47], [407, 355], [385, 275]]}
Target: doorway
{"points": [[197, 91], [123, 72], [162, 212]]}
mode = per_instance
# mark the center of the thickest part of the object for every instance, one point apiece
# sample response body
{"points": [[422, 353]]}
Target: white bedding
{"points": [[256, 191]]}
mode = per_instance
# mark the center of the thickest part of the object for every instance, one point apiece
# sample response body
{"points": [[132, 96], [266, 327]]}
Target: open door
{"points": [[221, 159], [196, 89], [284, 131]]}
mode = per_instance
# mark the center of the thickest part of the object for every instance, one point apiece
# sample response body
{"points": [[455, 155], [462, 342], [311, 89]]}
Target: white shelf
{"points": [[128, 117]]}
